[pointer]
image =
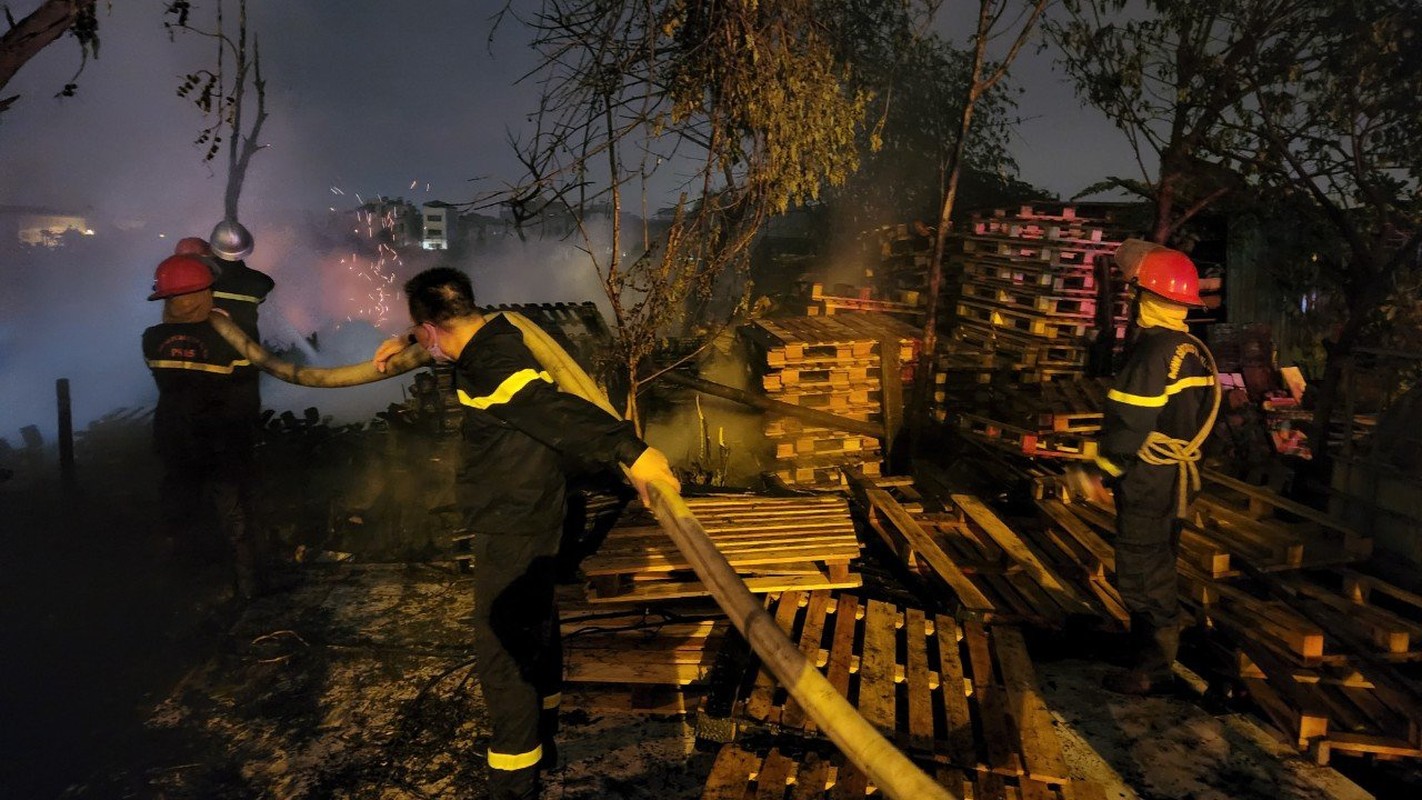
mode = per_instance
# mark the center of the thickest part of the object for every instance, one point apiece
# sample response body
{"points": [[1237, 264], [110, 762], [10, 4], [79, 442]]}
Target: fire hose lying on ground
{"points": [[889, 769]]}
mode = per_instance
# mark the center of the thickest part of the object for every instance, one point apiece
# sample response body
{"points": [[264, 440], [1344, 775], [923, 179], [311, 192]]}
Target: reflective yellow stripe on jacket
{"points": [[198, 366], [245, 298], [510, 387], [1158, 401]]}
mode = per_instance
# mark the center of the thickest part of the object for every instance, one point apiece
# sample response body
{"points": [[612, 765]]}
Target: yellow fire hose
{"points": [[889, 769]]}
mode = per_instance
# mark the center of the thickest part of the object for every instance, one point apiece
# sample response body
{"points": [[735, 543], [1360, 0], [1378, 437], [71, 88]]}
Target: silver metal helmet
{"points": [[230, 241]]}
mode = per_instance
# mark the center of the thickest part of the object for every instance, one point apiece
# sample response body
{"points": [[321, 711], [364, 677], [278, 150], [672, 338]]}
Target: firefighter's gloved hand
{"points": [[651, 466]]}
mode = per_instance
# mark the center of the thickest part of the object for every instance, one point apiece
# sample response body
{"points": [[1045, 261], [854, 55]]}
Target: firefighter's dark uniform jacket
{"points": [[239, 290], [1165, 387], [516, 427], [203, 414], [518, 433]]}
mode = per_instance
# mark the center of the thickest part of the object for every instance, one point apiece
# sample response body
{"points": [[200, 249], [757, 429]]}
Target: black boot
{"points": [[1150, 672], [547, 734]]}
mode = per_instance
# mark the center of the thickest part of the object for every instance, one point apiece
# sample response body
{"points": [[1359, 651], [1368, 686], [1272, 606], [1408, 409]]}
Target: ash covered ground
{"points": [[132, 674]]}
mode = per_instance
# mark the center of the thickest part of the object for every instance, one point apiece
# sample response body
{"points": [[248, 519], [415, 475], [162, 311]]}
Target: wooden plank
{"points": [[727, 780], [775, 774], [876, 667], [842, 648], [953, 684], [810, 635], [883, 503], [760, 703], [1041, 750], [757, 585], [916, 678], [813, 777], [1060, 591], [999, 739], [850, 784]]}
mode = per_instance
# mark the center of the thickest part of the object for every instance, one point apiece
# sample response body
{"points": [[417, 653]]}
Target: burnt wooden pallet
{"points": [[638, 647], [994, 572], [1196, 552], [773, 543], [739, 773], [1259, 503], [1054, 444], [964, 694]]}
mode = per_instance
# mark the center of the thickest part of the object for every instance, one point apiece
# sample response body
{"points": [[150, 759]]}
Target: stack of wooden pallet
{"points": [[900, 255], [773, 543], [850, 365], [1031, 291], [960, 698], [648, 658], [1326, 651], [1058, 419]]}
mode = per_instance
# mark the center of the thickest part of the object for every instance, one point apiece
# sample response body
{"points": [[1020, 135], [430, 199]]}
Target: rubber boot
{"points": [[548, 738], [1155, 651]]}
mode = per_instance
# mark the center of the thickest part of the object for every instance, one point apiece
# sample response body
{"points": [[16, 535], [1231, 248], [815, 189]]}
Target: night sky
{"points": [[365, 98]]}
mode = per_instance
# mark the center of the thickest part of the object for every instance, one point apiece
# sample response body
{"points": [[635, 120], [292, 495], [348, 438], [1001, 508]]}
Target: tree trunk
{"points": [[34, 33]]}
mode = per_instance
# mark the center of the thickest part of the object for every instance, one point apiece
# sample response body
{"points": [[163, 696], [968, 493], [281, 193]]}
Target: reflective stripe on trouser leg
{"points": [[513, 595]]}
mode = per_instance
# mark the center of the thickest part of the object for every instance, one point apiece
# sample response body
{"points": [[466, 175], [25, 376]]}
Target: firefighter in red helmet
{"points": [[203, 428], [1158, 414]]}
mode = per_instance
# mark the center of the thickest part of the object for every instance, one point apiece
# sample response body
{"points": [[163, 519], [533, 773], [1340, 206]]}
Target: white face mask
{"points": [[432, 342]]}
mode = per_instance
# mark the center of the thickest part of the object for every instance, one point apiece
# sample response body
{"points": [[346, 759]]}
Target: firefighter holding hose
{"points": [[1158, 414], [203, 426], [517, 427]]}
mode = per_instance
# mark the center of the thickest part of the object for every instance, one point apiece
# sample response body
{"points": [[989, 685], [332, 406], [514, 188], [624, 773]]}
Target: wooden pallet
{"points": [[961, 695], [824, 471], [809, 444], [1054, 444], [825, 378], [744, 774], [1260, 504], [773, 543], [1009, 273], [1082, 304], [800, 340], [988, 567], [1023, 322]]}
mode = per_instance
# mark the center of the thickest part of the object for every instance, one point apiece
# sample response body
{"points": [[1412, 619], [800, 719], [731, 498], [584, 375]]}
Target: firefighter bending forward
{"points": [[1157, 415], [510, 486]]}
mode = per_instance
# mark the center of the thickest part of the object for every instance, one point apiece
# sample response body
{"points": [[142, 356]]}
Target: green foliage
{"points": [[760, 80]]}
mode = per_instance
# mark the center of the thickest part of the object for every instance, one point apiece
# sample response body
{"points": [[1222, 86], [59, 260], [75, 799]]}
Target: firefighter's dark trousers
{"points": [[194, 489], [1147, 540], [520, 655]]}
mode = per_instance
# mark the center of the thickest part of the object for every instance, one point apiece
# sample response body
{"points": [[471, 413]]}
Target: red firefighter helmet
{"points": [[180, 275], [192, 246], [1170, 274]]}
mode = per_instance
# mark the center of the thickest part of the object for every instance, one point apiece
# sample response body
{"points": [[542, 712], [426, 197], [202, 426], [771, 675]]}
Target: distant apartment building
{"points": [[397, 219], [441, 223]]}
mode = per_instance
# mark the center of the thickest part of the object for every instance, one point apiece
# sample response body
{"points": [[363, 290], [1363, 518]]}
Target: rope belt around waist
{"points": [[1162, 450]]}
